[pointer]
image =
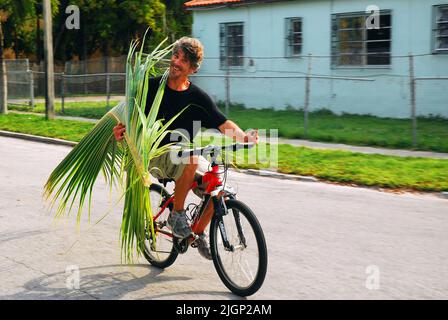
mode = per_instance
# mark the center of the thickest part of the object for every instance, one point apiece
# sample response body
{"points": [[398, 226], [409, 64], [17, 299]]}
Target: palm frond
{"points": [[122, 164]]}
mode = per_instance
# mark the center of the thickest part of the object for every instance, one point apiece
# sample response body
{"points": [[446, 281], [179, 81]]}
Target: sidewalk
{"points": [[368, 150], [316, 145], [69, 99]]}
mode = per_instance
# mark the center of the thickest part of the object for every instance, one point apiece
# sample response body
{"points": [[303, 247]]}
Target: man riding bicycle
{"points": [[179, 93]]}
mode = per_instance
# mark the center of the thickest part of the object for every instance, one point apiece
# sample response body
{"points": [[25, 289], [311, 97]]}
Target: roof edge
{"points": [[204, 5]]}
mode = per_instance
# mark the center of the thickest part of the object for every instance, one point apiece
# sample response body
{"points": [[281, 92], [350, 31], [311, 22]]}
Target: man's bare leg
{"points": [[178, 219], [204, 246], [206, 217], [184, 183]]}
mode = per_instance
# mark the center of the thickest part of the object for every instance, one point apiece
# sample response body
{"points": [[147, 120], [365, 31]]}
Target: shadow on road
{"points": [[5, 237], [106, 282]]}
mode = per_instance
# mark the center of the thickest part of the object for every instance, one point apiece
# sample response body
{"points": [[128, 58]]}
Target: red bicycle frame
{"points": [[212, 180]]}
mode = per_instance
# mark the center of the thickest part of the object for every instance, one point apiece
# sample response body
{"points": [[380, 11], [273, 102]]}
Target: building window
{"points": [[231, 45], [440, 29], [353, 44], [293, 37]]}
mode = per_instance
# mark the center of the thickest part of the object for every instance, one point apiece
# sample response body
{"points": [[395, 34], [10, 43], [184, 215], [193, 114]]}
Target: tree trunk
{"points": [[59, 37], [84, 58], [38, 40], [3, 79], [48, 53], [16, 45]]}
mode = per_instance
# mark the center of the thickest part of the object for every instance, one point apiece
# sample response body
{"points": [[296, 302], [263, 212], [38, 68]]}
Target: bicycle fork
{"points": [[220, 211]]}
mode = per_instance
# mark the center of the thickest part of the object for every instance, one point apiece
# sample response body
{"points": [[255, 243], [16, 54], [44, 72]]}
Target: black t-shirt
{"points": [[204, 111]]}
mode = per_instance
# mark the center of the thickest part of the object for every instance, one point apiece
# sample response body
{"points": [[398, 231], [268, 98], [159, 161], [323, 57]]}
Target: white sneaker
{"points": [[204, 247], [178, 222]]}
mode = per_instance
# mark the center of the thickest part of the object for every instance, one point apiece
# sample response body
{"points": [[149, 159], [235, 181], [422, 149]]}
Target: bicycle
{"points": [[234, 231]]}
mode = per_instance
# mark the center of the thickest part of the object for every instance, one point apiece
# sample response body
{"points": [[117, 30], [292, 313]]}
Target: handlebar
{"points": [[213, 151]]}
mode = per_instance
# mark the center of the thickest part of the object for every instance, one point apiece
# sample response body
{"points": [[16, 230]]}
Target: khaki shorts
{"points": [[163, 167]]}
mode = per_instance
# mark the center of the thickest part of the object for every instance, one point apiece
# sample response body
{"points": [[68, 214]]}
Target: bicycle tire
{"points": [[254, 286], [172, 256]]}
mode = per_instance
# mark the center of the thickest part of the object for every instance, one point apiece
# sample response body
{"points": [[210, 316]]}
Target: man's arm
{"points": [[231, 129]]}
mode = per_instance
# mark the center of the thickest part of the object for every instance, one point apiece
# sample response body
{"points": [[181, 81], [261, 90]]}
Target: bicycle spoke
{"points": [[241, 265], [248, 274]]}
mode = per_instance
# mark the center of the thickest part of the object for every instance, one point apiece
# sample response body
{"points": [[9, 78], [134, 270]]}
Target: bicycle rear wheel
{"points": [[242, 266], [162, 253]]}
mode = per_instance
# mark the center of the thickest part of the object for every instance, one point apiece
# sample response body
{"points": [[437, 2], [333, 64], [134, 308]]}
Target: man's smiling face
{"points": [[180, 66]]}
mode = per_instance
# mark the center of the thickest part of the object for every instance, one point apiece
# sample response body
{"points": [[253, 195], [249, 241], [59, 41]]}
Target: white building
{"points": [[259, 40]]}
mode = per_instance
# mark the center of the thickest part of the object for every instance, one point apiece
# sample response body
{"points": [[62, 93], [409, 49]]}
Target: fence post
{"points": [[413, 102], [107, 90], [227, 87], [307, 96], [62, 92], [84, 72], [31, 89], [106, 71], [28, 72]]}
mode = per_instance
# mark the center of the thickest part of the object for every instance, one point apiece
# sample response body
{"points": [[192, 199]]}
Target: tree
{"points": [[108, 26], [178, 20]]}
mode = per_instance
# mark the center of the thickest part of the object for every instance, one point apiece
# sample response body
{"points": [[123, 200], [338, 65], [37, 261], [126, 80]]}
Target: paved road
{"points": [[325, 242]]}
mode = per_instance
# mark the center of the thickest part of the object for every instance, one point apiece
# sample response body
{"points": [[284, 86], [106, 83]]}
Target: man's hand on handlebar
{"points": [[251, 136], [119, 131]]}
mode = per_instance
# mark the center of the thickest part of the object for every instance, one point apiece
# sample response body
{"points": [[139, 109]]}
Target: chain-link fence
{"points": [[409, 87], [20, 81], [97, 77]]}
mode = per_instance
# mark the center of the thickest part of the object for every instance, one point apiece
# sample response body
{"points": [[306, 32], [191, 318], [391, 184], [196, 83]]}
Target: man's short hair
{"points": [[192, 49]]}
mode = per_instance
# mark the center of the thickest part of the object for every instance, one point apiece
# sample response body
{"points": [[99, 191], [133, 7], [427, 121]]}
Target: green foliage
{"points": [[106, 25], [37, 125], [178, 20], [90, 109], [17, 16], [109, 26]]}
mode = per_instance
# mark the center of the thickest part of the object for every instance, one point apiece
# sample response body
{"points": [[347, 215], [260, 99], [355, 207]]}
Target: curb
{"points": [[278, 175], [31, 137]]}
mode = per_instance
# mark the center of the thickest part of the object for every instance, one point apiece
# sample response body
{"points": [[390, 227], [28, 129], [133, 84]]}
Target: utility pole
{"points": [[413, 103], [49, 68], [3, 79], [307, 97]]}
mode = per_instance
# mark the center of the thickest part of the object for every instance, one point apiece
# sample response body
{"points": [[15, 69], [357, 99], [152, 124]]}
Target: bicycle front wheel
{"points": [[242, 262]]}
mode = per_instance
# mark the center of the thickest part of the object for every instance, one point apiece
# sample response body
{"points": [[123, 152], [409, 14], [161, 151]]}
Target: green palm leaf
{"points": [[126, 164]]}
